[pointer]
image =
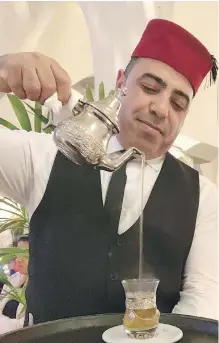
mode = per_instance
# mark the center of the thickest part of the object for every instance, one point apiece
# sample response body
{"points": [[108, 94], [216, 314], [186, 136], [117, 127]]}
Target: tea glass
{"points": [[141, 317]]}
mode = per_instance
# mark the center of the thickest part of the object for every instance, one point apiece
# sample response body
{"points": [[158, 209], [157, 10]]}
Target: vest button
{"points": [[120, 242], [114, 276]]}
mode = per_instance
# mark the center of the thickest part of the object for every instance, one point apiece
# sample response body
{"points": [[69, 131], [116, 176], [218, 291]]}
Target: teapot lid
{"points": [[110, 106]]}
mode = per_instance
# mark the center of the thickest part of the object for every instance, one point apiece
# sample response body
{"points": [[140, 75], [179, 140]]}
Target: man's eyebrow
{"points": [[154, 77]]}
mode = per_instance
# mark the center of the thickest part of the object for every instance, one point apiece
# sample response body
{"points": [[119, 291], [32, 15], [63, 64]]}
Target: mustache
{"points": [[150, 122]]}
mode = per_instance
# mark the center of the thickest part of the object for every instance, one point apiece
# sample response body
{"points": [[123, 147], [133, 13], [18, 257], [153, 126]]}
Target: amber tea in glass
{"points": [[141, 316]]}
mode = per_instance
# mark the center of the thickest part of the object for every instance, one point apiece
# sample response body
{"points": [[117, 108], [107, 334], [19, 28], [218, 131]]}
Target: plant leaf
{"points": [[37, 120], [12, 212], [101, 91], [14, 251], [48, 130], [41, 117], [15, 229], [30, 107], [112, 92], [13, 294], [4, 279], [19, 220], [7, 124], [17, 294], [14, 221], [5, 226], [10, 203], [89, 94], [23, 309], [24, 213], [20, 112], [6, 258]]}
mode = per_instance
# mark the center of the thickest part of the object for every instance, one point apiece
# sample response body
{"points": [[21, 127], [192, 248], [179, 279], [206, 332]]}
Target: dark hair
{"points": [[130, 65], [23, 238]]}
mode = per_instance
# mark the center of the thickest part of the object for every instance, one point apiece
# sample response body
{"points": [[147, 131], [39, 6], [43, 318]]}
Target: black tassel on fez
{"points": [[213, 72]]}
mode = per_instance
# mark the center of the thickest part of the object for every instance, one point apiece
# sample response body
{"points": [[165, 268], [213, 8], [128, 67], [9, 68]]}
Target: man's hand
{"points": [[33, 76]]}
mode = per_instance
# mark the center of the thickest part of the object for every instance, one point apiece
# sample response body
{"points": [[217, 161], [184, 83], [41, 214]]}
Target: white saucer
{"points": [[165, 334]]}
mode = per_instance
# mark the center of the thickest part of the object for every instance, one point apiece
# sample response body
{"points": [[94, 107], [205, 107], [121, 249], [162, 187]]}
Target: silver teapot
{"points": [[83, 138]]}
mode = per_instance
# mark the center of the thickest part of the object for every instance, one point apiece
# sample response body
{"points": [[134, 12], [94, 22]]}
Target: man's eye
{"points": [[177, 106], [149, 89]]}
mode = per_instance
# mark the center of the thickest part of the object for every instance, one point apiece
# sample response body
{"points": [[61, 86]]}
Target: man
{"points": [[75, 211]]}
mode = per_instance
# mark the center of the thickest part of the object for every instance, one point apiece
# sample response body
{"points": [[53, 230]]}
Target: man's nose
{"points": [[160, 106]]}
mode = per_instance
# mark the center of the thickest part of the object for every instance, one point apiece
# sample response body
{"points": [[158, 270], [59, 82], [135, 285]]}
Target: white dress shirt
{"points": [[26, 160]]}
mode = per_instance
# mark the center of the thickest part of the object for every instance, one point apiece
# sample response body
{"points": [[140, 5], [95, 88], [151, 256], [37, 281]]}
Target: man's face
{"points": [[154, 109], [22, 263]]}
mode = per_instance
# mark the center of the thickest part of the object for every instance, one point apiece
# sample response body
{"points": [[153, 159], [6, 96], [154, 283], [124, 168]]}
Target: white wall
{"points": [[113, 33], [67, 39], [201, 19]]}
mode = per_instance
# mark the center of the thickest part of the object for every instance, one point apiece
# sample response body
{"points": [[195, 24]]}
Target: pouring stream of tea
{"points": [[141, 242]]}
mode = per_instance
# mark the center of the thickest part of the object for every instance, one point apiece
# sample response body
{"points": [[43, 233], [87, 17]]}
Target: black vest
{"points": [[77, 259]]}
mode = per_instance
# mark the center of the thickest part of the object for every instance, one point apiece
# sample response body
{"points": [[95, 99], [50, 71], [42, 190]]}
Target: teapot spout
{"points": [[114, 161]]}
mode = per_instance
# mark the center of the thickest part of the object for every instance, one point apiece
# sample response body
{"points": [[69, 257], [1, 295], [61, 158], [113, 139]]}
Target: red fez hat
{"points": [[168, 42]]}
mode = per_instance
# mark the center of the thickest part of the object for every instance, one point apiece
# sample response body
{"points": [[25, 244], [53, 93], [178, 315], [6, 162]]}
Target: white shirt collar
{"points": [[114, 146]]}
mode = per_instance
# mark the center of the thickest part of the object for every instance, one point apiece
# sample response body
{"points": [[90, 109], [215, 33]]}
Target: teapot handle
{"points": [[55, 106]]}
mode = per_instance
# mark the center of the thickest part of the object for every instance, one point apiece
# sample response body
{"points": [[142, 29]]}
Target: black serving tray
{"points": [[90, 329]]}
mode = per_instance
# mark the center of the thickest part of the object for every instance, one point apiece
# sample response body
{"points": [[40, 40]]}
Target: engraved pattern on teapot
{"points": [[84, 137], [84, 141]]}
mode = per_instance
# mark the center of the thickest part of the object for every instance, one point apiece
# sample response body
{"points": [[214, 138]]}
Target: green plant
{"points": [[12, 293], [17, 294], [101, 92], [9, 254], [22, 110], [17, 222]]}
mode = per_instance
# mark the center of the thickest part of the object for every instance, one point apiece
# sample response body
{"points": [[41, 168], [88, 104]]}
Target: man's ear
{"points": [[121, 78]]}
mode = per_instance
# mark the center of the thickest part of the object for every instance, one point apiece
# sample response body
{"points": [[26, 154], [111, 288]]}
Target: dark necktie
{"points": [[114, 197]]}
